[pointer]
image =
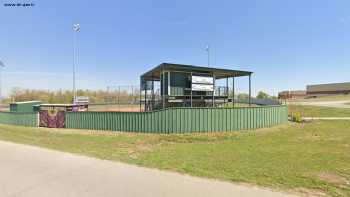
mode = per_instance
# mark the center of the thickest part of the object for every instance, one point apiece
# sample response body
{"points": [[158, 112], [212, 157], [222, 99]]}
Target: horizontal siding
{"points": [[180, 120], [22, 119]]}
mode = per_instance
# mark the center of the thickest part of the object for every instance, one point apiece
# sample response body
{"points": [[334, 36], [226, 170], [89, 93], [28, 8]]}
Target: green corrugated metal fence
{"points": [[17, 118], [180, 120]]}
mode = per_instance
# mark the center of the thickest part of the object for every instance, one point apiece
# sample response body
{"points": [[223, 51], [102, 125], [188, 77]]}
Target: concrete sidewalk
{"points": [[27, 171]]}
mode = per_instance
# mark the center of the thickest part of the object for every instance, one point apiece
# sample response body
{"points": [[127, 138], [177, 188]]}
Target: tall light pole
{"points": [[76, 29], [207, 48], [2, 65]]}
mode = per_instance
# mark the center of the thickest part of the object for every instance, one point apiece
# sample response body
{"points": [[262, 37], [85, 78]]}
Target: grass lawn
{"points": [[316, 111], [312, 158]]}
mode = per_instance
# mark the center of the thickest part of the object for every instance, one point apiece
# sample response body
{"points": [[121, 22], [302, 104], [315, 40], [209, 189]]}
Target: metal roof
{"points": [[25, 102], [59, 105], [218, 72]]}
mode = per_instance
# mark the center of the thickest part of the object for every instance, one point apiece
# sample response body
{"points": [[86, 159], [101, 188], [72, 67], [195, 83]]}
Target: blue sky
{"points": [[287, 44]]}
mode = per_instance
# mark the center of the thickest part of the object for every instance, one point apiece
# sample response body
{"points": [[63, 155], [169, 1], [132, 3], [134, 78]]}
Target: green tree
{"points": [[262, 95], [66, 96], [242, 96]]}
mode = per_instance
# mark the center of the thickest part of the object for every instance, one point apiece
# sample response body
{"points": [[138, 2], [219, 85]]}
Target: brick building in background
{"points": [[292, 94], [328, 89]]}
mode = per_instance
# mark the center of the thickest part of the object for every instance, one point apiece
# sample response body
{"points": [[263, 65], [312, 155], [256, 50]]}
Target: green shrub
{"points": [[296, 117]]}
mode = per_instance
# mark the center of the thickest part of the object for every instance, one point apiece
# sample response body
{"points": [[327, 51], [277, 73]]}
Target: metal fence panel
{"points": [[180, 120], [21, 119]]}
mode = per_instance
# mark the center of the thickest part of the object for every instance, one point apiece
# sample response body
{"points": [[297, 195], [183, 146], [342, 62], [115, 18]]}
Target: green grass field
{"points": [[312, 158], [315, 111]]}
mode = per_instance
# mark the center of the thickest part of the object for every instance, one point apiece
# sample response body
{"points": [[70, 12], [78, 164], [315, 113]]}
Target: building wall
{"points": [[332, 88], [23, 106], [292, 94]]}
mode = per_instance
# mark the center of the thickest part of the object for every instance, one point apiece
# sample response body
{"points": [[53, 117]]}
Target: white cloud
{"points": [[344, 19]]}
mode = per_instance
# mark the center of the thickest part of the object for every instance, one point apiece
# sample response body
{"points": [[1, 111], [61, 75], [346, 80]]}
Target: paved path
{"points": [[27, 171]]}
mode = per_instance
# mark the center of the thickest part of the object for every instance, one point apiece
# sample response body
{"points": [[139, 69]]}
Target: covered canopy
{"points": [[219, 73]]}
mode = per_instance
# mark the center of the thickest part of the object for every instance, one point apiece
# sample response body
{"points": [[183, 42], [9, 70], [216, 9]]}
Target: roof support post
{"points": [[233, 91], [163, 88], [169, 92], [146, 96], [226, 91], [152, 93], [213, 98], [250, 89], [191, 89]]}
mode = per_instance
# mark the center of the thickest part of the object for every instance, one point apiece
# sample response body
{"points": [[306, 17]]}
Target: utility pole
{"points": [[2, 66]]}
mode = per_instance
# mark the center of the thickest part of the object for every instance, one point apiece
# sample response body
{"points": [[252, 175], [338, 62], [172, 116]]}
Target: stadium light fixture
{"points": [[76, 29], [207, 48]]}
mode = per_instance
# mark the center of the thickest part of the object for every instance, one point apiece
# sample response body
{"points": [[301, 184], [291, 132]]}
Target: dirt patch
{"points": [[126, 108], [144, 146], [141, 146], [332, 178], [133, 155], [96, 132], [312, 136], [309, 192], [346, 145]]}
